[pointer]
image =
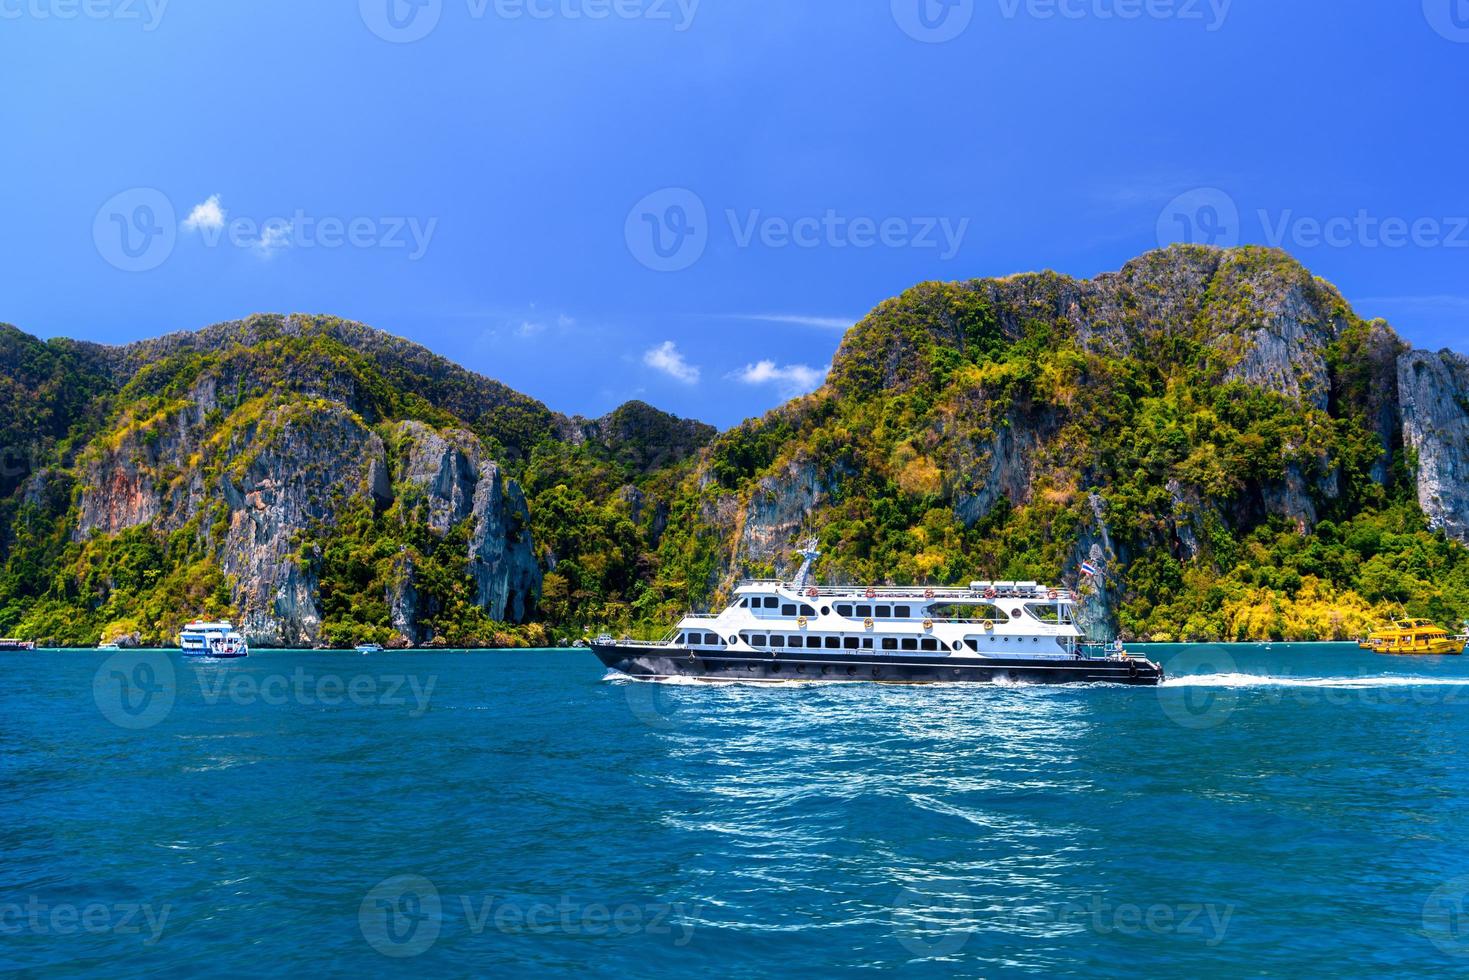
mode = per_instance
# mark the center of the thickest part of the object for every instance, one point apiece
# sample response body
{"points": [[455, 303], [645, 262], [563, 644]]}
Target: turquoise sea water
{"points": [[1289, 811]]}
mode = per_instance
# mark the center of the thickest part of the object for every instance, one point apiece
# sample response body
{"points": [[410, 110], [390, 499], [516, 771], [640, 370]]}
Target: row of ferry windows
{"points": [[914, 643], [845, 609], [926, 644], [760, 640], [772, 602]]}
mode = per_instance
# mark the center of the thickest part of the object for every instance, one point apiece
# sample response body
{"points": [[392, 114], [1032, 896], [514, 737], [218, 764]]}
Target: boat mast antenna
{"points": [[809, 554]]}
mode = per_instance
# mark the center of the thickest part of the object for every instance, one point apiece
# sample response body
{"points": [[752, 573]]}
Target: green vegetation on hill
{"points": [[949, 392], [1219, 426]]}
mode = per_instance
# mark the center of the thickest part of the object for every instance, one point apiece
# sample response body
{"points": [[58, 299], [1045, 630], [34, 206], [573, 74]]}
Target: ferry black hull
{"points": [[655, 664]]}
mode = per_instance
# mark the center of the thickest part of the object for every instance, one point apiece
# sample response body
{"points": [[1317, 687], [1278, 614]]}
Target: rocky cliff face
{"points": [[255, 453], [1434, 401], [937, 409], [501, 555], [293, 468]]}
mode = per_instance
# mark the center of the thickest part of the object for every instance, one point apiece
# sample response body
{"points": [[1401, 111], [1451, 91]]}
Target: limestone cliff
{"points": [[1434, 401], [249, 443], [1216, 429], [1158, 412]]}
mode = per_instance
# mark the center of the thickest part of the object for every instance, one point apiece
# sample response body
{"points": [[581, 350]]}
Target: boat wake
{"points": [[1271, 680]]}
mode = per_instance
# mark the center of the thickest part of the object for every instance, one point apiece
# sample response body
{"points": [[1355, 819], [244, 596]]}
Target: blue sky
{"points": [[686, 201]]}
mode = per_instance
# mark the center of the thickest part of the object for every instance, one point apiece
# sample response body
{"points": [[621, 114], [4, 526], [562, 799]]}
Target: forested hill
{"points": [[1241, 454], [1217, 430]]}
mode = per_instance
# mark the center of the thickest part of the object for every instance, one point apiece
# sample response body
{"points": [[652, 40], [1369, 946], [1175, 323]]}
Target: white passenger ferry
{"points": [[219, 640], [797, 630]]}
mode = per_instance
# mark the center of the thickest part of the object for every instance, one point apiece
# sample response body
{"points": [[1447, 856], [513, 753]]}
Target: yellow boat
{"points": [[1415, 636]]}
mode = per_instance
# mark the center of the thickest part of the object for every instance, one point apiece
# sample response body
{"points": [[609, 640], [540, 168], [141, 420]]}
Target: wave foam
{"points": [[1271, 680]]}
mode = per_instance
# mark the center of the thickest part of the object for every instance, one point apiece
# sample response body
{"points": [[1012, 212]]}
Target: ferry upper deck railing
{"points": [[918, 591]]}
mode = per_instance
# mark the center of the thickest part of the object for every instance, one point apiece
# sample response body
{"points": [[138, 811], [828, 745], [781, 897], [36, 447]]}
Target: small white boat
{"points": [[367, 648], [219, 640]]}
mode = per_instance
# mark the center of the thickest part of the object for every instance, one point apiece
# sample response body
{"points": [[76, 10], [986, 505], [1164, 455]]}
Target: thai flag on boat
{"points": [[1090, 570]]}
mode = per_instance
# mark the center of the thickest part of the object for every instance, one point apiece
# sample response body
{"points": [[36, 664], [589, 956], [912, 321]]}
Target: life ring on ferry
{"points": [[872, 593], [1054, 594], [989, 625], [801, 622], [928, 624], [867, 622], [814, 592], [990, 593], [928, 593]]}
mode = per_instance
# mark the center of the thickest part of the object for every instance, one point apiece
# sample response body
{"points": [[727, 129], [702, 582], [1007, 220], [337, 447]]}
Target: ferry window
{"points": [[901, 612], [850, 643], [930, 644], [745, 602], [771, 602], [867, 643], [711, 640], [884, 612], [890, 643], [680, 639], [797, 641], [1046, 613], [864, 611], [833, 643], [909, 643], [844, 611], [787, 610], [807, 611], [777, 641], [826, 610], [973, 645], [757, 641]]}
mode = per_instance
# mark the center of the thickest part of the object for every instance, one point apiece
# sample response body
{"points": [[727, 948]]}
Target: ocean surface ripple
{"points": [[1285, 810]]}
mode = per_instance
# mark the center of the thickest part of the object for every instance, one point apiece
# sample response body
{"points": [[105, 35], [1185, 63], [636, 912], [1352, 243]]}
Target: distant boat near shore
{"points": [[9, 644], [1419, 637], [369, 648], [219, 640]]}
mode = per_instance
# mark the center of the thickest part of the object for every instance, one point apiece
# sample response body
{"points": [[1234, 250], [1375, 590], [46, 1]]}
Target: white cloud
{"points": [[800, 320], [207, 216], [666, 358], [792, 379], [275, 236]]}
